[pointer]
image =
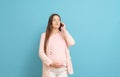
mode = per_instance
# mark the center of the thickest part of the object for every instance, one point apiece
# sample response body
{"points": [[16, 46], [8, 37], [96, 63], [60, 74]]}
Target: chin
{"points": [[57, 26]]}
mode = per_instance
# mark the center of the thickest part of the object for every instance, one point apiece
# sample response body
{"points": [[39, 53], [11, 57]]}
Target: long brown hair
{"points": [[49, 30]]}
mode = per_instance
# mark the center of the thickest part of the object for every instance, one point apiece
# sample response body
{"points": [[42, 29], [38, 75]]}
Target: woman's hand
{"points": [[56, 65]]}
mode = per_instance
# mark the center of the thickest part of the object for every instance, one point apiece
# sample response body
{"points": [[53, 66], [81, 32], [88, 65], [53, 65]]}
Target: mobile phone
{"points": [[61, 25]]}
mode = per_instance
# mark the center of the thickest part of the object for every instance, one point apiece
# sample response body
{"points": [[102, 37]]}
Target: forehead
{"points": [[56, 17]]}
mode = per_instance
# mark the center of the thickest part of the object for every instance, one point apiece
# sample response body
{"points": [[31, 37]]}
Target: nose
{"points": [[56, 22]]}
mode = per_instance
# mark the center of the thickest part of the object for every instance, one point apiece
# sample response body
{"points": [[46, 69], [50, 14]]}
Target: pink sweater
{"points": [[55, 51], [56, 48]]}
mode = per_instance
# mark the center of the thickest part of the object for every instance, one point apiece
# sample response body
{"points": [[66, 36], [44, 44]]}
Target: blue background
{"points": [[94, 24]]}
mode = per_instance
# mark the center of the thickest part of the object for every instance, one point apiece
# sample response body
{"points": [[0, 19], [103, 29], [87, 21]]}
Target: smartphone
{"points": [[61, 25]]}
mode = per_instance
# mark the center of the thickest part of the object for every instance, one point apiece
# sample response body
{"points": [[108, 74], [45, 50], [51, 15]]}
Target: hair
{"points": [[49, 30]]}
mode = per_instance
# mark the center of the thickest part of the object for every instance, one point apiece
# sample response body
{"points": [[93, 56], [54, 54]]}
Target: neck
{"points": [[54, 31]]}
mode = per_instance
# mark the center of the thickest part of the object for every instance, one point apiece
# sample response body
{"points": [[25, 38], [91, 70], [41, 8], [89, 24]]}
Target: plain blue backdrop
{"points": [[94, 24]]}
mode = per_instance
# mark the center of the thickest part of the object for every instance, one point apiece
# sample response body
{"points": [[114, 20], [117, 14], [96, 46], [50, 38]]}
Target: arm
{"points": [[68, 38], [42, 55]]}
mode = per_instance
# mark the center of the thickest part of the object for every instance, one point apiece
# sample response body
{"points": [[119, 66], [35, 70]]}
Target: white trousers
{"points": [[58, 72]]}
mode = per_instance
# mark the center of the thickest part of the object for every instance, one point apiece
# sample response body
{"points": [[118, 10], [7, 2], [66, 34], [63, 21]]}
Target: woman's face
{"points": [[56, 22]]}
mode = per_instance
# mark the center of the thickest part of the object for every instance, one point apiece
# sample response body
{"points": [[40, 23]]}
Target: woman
{"points": [[53, 49]]}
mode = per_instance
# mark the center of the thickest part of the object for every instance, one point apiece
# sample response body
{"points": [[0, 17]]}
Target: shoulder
{"points": [[43, 34]]}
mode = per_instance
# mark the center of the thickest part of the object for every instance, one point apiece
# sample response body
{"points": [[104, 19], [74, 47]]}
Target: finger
{"points": [[63, 23]]}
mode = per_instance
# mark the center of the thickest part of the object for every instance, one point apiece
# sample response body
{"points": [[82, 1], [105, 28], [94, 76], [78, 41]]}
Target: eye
{"points": [[54, 20], [58, 19]]}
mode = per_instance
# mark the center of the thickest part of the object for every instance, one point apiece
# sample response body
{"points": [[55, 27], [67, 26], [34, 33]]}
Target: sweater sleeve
{"points": [[68, 38], [42, 55]]}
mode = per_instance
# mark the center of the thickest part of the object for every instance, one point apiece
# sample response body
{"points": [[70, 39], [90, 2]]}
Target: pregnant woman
{"points": [[54, 49]]}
